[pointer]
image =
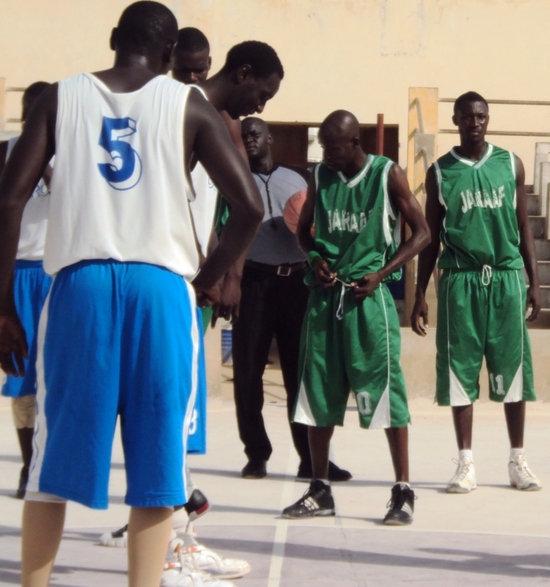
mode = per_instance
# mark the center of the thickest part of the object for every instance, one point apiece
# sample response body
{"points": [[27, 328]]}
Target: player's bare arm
{"points": [[527, 244], [208, 137], [325, 278], [22, 171], [230, 296], [428, 257], [410, 210], [3, 153]]}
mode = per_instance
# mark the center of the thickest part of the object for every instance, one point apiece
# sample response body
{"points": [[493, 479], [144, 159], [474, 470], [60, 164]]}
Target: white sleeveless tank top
{"points": [[35, 220], [119, 184], [203, 207]]}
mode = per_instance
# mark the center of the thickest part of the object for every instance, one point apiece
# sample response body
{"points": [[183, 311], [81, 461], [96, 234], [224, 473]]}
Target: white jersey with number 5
{"points": [[119, 186]]}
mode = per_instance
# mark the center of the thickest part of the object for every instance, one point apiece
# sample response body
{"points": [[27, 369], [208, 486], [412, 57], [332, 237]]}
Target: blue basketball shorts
{"points": [[30, 287], [115, 340], [196, 443]]}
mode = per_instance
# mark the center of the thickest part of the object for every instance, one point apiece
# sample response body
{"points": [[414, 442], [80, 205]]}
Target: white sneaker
{"points": [[117, 538], [181, 569], [204, 559], [521, 476], [186, 578], [464, 479]]}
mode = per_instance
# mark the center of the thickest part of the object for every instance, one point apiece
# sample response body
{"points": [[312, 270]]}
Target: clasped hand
{"points": [[360, 289], [13, 346]]}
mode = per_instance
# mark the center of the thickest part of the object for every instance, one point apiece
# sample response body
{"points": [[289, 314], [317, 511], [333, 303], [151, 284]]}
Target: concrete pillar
{"points": [[542, 151], [2, 103], [544, 180], [421, 153]]}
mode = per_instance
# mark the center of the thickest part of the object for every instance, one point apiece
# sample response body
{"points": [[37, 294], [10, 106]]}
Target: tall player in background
{"points": [[192, 63], [192, 60], [121, 308], [31, 286], [251, 75], [476, 206]]}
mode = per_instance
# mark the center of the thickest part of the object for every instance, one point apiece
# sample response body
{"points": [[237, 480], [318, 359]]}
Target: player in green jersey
{"points": [[476, 206], [350, 337]]}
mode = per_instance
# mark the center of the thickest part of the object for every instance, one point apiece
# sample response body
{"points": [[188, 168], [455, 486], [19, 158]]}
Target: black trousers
{"points": [[271, 305]]}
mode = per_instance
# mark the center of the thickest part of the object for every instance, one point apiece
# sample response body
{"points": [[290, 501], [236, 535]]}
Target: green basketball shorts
{"points": [[207, 313], [358, 352], [482, 314]]}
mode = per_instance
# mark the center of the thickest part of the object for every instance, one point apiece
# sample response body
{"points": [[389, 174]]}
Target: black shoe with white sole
{"points": [[316, 501], [400, 506]]}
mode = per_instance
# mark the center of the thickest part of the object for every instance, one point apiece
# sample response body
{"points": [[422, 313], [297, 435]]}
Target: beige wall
{"points": [[356, 54]]}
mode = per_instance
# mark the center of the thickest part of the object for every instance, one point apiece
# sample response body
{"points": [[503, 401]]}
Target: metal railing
{"points": [[14, 89], [508, 133]]}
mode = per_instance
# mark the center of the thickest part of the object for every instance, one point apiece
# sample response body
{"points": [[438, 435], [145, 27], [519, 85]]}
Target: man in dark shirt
{"points": [[273, 303]]}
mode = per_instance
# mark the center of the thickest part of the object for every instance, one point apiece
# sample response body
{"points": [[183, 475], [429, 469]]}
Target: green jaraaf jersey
{"points": [[356, 226], [480, 225]]}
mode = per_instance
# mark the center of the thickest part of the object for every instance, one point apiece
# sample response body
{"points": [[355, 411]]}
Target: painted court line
{"points": [[281, 527]]}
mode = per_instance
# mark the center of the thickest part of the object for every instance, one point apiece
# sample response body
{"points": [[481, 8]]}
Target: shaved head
{"points": [[247, 122], [257, 141], [339, 137], [340, 124]]}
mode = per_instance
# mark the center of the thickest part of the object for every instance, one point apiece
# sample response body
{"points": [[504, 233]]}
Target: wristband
{"points": [[311, 256]]}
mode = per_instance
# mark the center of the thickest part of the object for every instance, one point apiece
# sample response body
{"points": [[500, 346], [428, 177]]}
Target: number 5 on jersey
{"points": [[124, 170]]}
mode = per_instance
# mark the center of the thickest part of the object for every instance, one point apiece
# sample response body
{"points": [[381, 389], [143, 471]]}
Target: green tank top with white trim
{"points": [[356, 225], [480, 225]]}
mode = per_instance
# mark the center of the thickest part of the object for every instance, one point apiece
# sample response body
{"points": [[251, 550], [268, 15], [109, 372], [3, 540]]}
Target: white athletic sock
{"points": [[403, 484], [189, 485], [465, 454], [515, 452]]}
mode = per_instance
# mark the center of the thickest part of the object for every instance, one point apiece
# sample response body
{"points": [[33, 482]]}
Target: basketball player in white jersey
{"points": [[31, 285], [191, 65], [121, 309]]}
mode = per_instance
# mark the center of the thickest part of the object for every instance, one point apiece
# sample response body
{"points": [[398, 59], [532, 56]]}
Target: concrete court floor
{"points": [[493, 536]]}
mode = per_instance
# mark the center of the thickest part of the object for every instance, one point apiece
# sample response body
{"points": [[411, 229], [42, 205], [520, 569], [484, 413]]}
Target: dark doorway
{"points": [[290, 141]]}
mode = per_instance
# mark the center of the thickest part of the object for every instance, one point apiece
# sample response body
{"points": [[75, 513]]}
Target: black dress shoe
{"points": [[23, 479], [337, 474], [334, 473], [254, 470]]}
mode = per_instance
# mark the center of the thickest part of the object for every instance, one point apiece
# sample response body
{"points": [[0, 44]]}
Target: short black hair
{"points": [[192, 40], [466, 98], [262, 58], [146, 27], [262, 122], [35, 89]]}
